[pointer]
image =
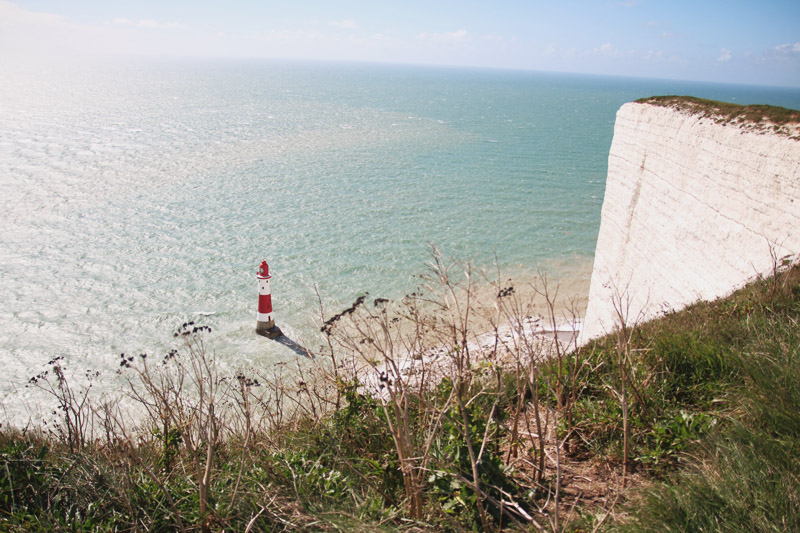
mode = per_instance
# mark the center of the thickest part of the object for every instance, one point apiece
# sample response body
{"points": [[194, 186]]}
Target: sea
{"points": [[136, 195]]}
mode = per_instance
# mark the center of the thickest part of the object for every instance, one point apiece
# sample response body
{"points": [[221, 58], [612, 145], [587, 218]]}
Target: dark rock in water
{"points": [[273, 333]]}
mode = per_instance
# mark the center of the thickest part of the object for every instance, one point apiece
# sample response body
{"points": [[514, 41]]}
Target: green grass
{"points": [[727, 113], [735, 361], [745, 475], [686, 368]]}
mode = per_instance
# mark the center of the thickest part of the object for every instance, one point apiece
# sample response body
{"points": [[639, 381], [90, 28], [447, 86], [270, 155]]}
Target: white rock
{"points": [[691, 209]]}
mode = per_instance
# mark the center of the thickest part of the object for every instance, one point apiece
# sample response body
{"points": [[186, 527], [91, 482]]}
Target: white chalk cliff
{"points": [[693, 207]]}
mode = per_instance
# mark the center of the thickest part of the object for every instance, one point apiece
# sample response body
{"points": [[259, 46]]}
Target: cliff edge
{"points": [[700, 198]]}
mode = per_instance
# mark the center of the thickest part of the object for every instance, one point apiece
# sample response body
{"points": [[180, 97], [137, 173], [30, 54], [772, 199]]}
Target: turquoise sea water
{"points": [[134, 197]]}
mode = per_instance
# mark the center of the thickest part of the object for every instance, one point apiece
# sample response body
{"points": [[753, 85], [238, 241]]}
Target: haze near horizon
{"points": [[736, 42]]}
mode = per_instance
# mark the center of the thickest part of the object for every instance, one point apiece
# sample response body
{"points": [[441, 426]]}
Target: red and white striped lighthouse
{"points": [[265, 324]]}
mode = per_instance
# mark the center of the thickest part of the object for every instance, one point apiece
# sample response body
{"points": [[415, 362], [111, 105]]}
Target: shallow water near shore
{"points": [[135, 197]]}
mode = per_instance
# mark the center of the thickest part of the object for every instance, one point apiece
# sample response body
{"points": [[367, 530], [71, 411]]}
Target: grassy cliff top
{"points": [[761, 116]]}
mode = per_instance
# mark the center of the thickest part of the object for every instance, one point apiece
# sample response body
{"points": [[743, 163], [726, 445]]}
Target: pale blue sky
{"points": [[735, 41]]}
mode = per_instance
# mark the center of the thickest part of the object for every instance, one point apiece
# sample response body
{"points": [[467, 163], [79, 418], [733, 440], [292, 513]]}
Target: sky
{"points": [[751, 42]]}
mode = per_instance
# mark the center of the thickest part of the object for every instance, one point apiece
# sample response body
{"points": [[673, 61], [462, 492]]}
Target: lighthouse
{"points": [[265, 324]]}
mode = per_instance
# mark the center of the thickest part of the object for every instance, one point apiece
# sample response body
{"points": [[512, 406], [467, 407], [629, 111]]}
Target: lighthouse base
{"points": [[268, 329]]}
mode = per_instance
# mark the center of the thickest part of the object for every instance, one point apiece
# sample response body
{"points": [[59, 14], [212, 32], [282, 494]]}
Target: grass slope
{"points": [[713, 414]]}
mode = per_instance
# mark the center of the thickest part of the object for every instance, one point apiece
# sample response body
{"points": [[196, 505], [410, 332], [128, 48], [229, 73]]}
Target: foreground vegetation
{"points": [[687, 423]]}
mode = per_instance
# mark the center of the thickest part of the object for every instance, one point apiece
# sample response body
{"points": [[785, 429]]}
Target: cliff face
{"points": [[693, 207]]}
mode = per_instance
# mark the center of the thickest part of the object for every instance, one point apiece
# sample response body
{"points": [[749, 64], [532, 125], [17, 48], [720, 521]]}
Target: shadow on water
{"points": [[292, 345]]}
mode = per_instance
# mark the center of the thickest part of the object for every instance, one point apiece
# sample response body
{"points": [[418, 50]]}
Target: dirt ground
{"points": [[587, 485]]}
